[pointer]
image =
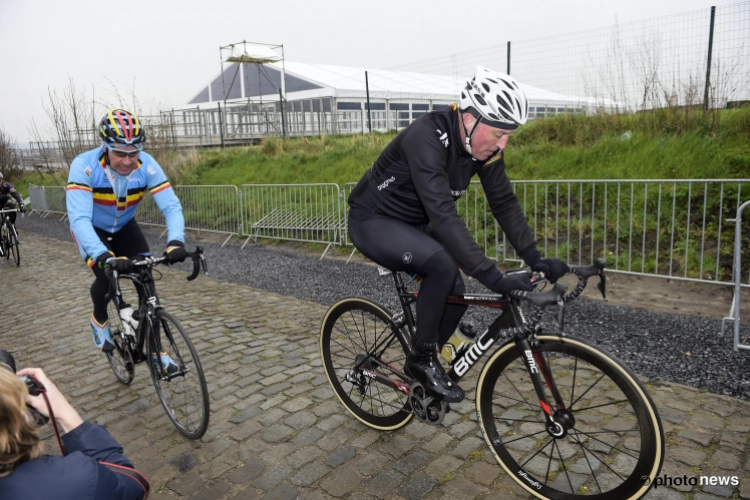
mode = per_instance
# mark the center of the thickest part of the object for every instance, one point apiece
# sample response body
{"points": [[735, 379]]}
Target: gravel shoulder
{"points": [[663, 329]]}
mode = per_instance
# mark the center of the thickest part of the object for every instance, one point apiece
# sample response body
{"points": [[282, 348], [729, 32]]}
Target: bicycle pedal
{"points": [[426, 408]]}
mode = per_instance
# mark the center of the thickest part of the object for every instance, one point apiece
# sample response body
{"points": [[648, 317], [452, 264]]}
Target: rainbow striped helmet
{"points": [[121, 127]]}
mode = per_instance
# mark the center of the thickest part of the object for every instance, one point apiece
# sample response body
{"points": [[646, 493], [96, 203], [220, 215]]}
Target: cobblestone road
{"points": [[277, 431]]}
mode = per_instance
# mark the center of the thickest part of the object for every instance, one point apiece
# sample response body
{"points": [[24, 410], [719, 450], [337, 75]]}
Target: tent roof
{"points": [[350, 81]]}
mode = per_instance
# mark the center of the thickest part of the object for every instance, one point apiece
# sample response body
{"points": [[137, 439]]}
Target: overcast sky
{"points": [[168, 50]]}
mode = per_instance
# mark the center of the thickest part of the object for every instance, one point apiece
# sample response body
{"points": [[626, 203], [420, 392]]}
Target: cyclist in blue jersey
{"points": [[104, 188], [403, 214]]}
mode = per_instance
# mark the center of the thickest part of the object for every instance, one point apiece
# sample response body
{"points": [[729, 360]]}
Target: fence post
{"points": [[283, 120], [174, 132], [221, 126], [710, 50], [367, 89], [508, 71]]}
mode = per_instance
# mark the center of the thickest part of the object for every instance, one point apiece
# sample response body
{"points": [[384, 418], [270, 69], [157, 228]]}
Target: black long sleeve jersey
{"points": [[7, 189], [421, 173]]}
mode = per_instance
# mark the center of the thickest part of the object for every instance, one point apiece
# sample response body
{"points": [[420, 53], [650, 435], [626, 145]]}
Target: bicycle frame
{"points": [[147, 308], [506, 325]]}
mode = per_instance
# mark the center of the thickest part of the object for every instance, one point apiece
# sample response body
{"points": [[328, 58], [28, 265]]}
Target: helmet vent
{"points": [[480, 99], [486, 87]]}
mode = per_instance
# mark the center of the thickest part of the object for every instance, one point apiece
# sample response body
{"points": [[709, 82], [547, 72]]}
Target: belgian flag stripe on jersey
{"points": [[82, 187], [160, 187]]}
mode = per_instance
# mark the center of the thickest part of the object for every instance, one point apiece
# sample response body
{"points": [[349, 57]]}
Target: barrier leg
{"points": [[351, 255]]}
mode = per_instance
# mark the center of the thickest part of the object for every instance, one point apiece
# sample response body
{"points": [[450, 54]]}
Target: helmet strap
{"points": [[468, 134]]}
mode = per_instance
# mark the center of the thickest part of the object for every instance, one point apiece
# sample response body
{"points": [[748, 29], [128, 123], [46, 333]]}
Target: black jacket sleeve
{"points": [[95, 442], [427, 157], [505, 206]]}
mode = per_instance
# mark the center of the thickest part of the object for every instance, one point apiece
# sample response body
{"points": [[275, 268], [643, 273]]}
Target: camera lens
{"points": [[7, 361]]}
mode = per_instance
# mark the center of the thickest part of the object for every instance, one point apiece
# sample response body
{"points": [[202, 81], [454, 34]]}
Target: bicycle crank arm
{"points": [[377, 377]]}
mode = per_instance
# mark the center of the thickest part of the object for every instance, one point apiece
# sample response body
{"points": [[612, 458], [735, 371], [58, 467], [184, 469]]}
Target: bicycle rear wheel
{"points": [[613, 446], [13, 246], [184, 394], [352, 331], [120, 359]]}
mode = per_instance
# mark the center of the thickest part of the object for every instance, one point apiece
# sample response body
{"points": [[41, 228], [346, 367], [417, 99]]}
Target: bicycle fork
{"points": [[559, 421]]}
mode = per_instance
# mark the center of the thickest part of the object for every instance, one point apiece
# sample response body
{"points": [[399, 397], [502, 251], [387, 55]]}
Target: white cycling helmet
{"points": [[497, 97]]}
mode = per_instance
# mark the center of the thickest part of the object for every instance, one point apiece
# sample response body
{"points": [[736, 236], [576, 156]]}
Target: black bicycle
{"points": [[565, 419], [151, 334], [9, 237]]}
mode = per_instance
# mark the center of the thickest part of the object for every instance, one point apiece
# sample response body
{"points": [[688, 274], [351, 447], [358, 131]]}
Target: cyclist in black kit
{"points": [[6, 191], [403, 214]]}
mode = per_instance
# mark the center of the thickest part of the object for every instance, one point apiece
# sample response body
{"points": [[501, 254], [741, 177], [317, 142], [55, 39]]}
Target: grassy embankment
{"points": [[664, 144]]}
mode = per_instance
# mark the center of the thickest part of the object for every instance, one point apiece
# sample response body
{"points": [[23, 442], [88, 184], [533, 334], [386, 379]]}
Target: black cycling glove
{"points": [[553, 269], [122, 265], [510, 282], [23, 208], [175, 252]]}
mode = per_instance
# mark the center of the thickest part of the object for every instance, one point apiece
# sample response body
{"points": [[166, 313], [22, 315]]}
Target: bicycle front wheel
{"points": [[183, 394], [358, 334], [120, 359], [613, 444], [13, 246]]}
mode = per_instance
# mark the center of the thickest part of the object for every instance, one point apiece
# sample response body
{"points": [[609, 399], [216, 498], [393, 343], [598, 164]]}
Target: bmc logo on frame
{"points": [[685, 480]]}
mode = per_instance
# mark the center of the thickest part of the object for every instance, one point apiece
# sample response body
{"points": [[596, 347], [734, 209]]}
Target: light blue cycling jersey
{"points": [[97, 196]]}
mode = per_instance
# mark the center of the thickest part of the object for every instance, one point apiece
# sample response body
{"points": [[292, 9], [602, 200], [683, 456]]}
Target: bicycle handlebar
{"points": [[557, 295], [199, 260]]}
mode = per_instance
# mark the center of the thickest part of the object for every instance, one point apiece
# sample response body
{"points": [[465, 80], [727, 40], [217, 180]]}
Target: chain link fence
{"points": [[699, 58]]}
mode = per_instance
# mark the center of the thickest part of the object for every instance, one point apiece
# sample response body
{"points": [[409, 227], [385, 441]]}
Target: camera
{"points": [[32, 385]]}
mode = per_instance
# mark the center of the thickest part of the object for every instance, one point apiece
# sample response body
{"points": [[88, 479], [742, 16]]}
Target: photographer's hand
{"points": [[65, 414]]}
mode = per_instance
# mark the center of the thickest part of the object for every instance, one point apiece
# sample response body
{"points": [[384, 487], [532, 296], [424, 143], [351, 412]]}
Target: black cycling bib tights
{"points": [[127, 242]]}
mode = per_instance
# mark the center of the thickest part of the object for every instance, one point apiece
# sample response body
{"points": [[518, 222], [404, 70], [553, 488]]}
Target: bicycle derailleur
{"points": [[426, 408]]}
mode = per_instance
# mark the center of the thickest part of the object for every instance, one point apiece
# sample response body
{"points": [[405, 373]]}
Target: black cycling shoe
{"points": [[423, 365]]}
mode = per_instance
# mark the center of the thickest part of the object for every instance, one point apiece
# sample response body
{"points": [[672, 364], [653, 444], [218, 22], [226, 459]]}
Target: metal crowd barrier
{"points": [[663, 228], [734, 311], [55, 198], [213, 209], [297, 212], [38, 199]]}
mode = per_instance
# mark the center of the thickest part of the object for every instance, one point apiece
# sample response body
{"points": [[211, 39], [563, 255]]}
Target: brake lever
{"points": [[560, 309], [602, 285]]}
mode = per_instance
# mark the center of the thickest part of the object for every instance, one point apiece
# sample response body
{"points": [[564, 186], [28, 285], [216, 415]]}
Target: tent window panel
{"points": [[349, 105], [380, 106], [398, 106], [420, 107]]}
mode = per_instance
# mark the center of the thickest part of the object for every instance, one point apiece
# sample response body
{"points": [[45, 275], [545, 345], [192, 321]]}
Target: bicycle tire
{"points": [[189, 416], [13, 245], [5, 242], [614, 419], [346, 324], [121, 358]]}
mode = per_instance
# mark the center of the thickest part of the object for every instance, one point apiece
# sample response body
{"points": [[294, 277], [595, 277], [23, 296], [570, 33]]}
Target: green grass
{"points": [[336, 159], [666, 144]]}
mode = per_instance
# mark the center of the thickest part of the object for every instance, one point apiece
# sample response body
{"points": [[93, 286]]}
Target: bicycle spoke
{"points": [[599, 406], [606, 444], [586, 391]]}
